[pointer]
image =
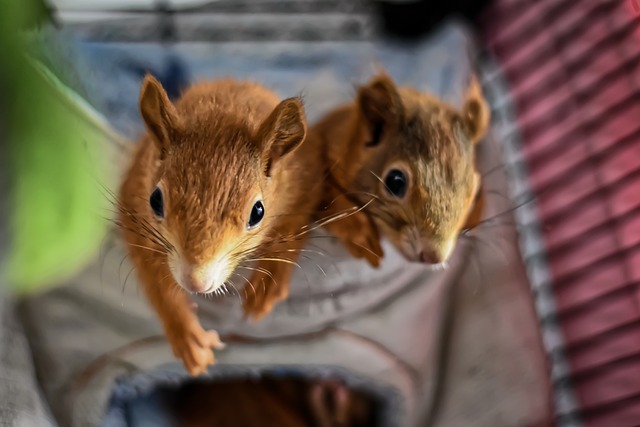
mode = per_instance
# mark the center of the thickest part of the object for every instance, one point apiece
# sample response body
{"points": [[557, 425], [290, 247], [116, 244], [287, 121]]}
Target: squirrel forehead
{"points": [[214, 163], [213, 173], [216, 151], [441, 162], [430, 143]]}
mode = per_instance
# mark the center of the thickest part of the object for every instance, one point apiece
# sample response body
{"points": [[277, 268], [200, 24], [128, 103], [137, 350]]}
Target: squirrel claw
{"points": [[194, 348]]}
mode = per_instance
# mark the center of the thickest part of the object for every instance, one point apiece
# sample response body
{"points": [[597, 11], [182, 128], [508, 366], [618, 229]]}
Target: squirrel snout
{"points": [[429, 256], [204, 278], [194, 281], [437, 254]]}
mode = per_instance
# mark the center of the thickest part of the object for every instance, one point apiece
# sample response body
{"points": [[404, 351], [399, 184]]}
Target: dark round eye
{"points": [[257, 213], [396, 183], [156, 202]]}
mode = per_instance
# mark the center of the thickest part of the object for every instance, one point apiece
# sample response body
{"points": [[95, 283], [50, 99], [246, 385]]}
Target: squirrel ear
{"points": [[158, 113], [380, 104], [283, 131], [475, 112]]}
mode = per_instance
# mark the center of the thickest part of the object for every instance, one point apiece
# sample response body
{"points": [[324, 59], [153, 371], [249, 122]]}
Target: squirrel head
{"points": [[214, 196], [418, 165]]}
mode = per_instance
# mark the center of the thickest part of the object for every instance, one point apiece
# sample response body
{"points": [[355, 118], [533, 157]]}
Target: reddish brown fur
{"points": [[223, 144], [432, 142]]}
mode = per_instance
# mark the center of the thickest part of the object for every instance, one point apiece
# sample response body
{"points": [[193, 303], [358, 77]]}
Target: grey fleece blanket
{"points": [[458, 347]]}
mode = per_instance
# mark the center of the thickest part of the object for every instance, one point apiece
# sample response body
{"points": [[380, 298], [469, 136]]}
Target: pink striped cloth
{"points": [[573, 67]]}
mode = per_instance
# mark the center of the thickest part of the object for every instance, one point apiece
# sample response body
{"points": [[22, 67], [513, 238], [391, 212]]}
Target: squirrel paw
{"points": [[193, 345], [262, 296]]}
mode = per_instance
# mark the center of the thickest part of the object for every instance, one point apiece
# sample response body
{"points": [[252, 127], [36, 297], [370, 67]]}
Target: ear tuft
{"points": [[158, 113], [475, 112], [380, 105], [283, 131]]}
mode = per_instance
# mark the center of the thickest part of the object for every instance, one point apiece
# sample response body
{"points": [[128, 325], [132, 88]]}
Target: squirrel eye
{"points": [[396, 183], [157, 203], [257, 213]]}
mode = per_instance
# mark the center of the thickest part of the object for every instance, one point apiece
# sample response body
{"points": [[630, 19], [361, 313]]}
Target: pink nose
{"points": [[195, 283], [429, 256]]}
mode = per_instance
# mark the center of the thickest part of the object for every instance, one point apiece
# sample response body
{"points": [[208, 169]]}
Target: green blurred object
{"points": [[59, 169]]}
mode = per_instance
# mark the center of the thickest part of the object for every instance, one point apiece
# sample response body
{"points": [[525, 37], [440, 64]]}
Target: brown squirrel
{"points": [[222, 178], [409, 158]]}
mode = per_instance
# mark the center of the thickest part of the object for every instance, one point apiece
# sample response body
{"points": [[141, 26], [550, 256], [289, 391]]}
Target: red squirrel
{"points": [[410, 158], [221, 178]]}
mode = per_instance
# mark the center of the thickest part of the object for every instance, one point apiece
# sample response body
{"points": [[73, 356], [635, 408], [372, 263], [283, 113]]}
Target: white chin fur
{"points": [[204, 279], [439, 267]]}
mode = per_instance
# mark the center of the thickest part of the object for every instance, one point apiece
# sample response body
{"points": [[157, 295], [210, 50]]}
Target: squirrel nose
{"points": [[195, 282], [429, 256], [437, 253]]}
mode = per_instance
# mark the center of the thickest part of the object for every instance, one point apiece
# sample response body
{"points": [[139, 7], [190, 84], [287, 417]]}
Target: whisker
{"points": [[341, 215], [508, 211], [233, 285], [497, 193], [477, 260], [352, 193], [320, 253], [146, 247], [321, 270], [124, 285], [494, 169], [275, 259], [120, 266], [248, 282], [328, 219], [260, 269]]}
